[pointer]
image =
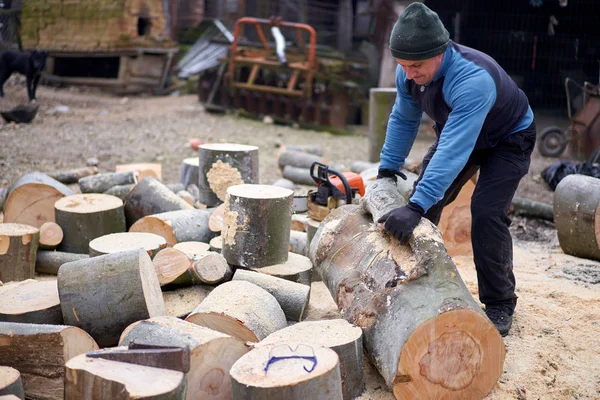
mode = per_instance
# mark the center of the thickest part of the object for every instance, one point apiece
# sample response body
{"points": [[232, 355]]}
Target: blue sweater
{"points": [[474, 103]]}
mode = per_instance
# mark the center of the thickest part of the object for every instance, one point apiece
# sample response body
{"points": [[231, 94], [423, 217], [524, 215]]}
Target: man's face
{"points": [[421, 71]]}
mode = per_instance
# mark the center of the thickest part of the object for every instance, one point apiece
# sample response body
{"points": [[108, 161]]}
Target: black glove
{"points": [[390, 173], [401, 222]]}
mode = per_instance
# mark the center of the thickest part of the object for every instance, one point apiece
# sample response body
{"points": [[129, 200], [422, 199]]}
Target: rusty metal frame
{"points": [[305, 67]]}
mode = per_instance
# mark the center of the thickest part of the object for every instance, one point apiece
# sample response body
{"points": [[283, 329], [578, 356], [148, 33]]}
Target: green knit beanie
{"points": [[418, 34]]}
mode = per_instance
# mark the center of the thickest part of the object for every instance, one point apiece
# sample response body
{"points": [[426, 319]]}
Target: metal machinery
{"points": [[288, 80]]}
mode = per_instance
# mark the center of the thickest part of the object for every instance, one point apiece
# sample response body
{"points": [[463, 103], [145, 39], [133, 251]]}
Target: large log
{"points": [[212, 353], [39, 353], [51, 235], [30, 301], [188, 225], [297, 268], [100, 183], [104, 294], [338, 335], [90, 378], [84, 217], [292, 297], [48, 262], [419, 320], [11, 383], [73, 175], [142, 169], [576, 216], [31, 199], [123, 241], [177, 267], [256, 225], [18, 248], [149, 197], [240, 309], [288, 378]]}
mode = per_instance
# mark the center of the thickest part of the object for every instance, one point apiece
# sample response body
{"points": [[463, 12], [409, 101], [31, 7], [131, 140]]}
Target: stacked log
{"points": [[100, 183], [30, 301], [18, 249], [51, 235], [187, 225], [48, 262], [177, 267], [124, 241]]}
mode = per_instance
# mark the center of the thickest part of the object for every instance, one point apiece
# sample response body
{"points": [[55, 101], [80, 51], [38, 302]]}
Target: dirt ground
{"points": [[554, 346]]}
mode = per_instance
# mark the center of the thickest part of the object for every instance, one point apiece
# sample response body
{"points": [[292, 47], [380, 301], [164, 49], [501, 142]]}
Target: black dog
{"points": [[30, 64]]}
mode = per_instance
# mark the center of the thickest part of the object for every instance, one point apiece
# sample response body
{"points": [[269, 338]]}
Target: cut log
{"points": [[150, 197], [305, 148], [189, 171], [417, 315], [149, 355], [31, 199], [576, 216], [284, 183], [216, 244], [338, 335], [3, 195], [84, 217], [297, 268], [175, 187], [257, 221], [193, 249], [30, 301], [221, 165], [288, 377], [188, 225], [360, 166], [116, 242], [292, 297], [90, 378], [215, 223], [100, 183], [73, 175], [297, 175], [240, 309], [311, 228], [299, 222], [532, 209], [177, 267], [187, 197], [9, 397], [142, 169], [48, 262], [212, 353], [104, 294], [455, 223], [120, 191], [10, 383], [298, 159], [298, 243], [51, 235], [181, 302], [39, 353], [18, 249]]}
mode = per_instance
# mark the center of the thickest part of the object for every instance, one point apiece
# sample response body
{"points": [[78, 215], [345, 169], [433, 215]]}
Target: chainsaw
{"points": [[334, 189]]}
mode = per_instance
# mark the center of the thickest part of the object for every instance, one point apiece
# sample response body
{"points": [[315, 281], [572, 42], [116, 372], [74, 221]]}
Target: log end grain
{"points": [[170, 264], [30, 301], [194, 250], [10, 230], [10, 383], [51, 235], [124, 241], [297, 268], [157, 226], [215, 223], [88, 203]]}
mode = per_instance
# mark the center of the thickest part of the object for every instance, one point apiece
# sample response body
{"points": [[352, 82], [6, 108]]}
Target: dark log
{"points": [[305, 148], [298, 159], [297, 175], [48, 262], [73, 175], [32, 302], [189, 172], [188, 225], [532, 209], [297, 268], [100, 183], [298, 243], [51, 235], [124, 241], [120, 191], [18, 249], [11, 383]]}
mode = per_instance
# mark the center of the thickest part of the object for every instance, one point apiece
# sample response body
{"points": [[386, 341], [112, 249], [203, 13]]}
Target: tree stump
{"points": [[240, 309], [298, 243], [100, 183], [212, 353], [177, 226], [31, 199], [338, 335], [51, 235], [84, 217], [150, 197], [297, 268], [142, 169], [292, 297], [90, 378], [189, 171], [39, 353], [104, 294], [48, 262], [177, 267], [123, 241], [120, 191], [221, 165], [287, 379], [73, 175], [30, 301], [216, 244], [417, 315], [10, 383], [256, 225], [18, 249], [577, 216]]}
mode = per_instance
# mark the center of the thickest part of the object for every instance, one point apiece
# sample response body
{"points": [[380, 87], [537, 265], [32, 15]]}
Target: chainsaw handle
{"points": [[322, 176]]}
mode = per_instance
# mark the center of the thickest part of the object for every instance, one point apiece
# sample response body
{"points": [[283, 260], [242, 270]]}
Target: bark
{"points": [[211, 353], [223, 165], [85, 217], [150, 197], [189, 171], [532, 209], [32, 302], [11, 383], [418, 318], [51, 235], [31, 199], [284, 183], [298, 243], [142, 169], [186, 196], [240, 309], [125, 241], [39, 353], [298, 175], [18, 249], [104, 294], [297, 268], [48, 262], [257, 223], [288, 379], [100, 183], [120, 191], [298, 159], [73, 175], [338, 335], [189, 225]]}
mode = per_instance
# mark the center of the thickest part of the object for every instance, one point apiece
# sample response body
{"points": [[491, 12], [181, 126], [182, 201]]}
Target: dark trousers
{"points": [[501, 168]]}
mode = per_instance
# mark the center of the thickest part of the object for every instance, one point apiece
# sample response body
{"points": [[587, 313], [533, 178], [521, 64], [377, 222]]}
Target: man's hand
{"points": [[401, 222], [390, 173]]}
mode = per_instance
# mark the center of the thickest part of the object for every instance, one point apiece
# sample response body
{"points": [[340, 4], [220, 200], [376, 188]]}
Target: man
{"points": [[483, 121]]}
